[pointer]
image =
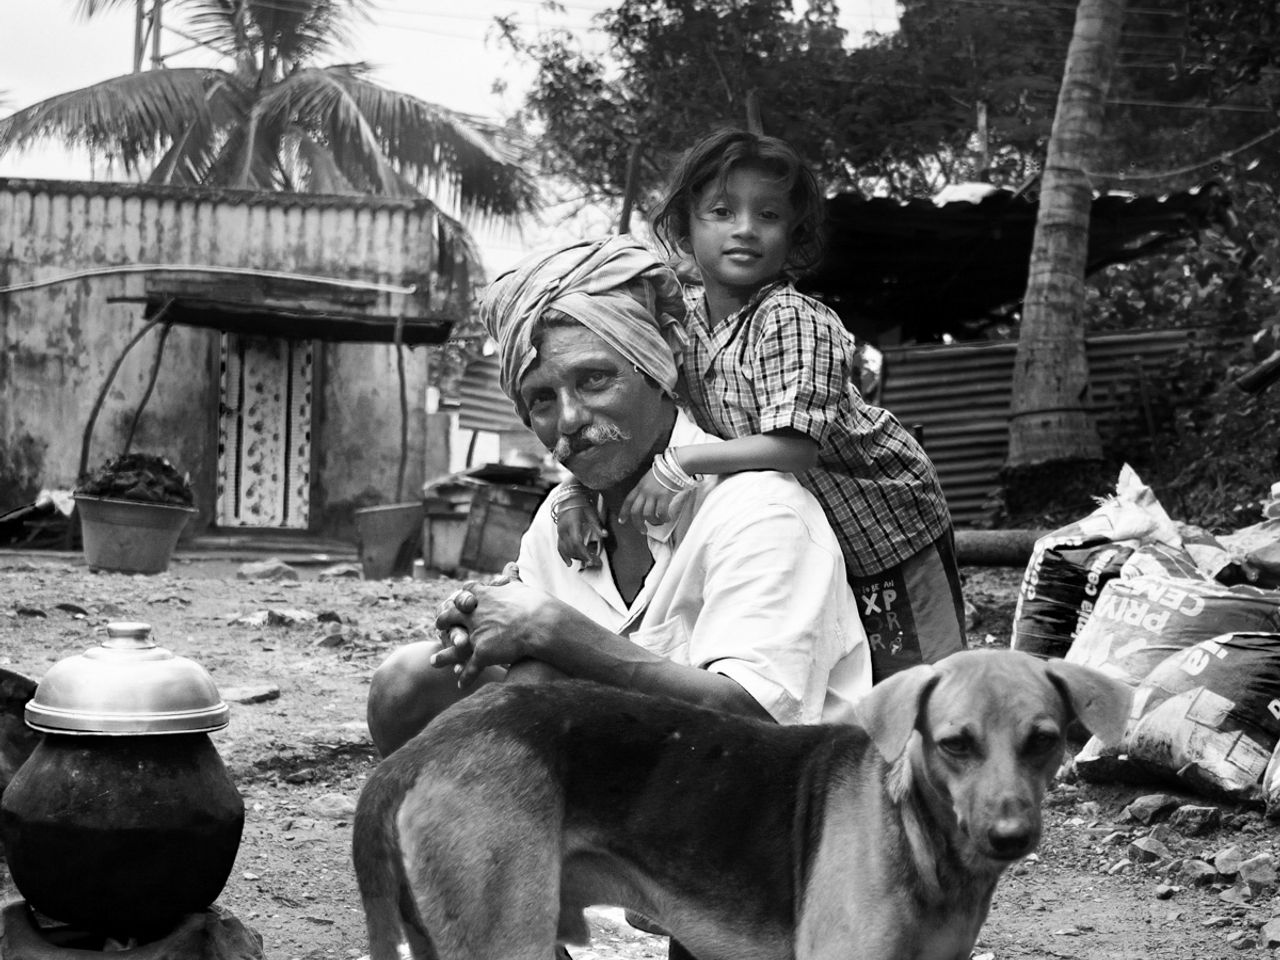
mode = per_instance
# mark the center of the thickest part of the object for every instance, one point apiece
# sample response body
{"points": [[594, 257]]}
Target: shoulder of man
{"points": [[740, 500]]}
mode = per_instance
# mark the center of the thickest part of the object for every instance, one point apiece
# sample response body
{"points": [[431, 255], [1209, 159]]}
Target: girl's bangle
{"points": [[670, 474], [569, 496]]}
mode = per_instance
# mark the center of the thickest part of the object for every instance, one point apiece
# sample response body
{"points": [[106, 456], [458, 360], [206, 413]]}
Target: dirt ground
{"points": [[300, 759]]}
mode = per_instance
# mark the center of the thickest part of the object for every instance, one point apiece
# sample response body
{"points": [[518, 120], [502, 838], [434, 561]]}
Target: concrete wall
{"points": [[59, 341]]}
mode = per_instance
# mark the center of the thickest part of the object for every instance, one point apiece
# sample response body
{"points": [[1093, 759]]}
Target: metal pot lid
{"points": [[126, 686]]}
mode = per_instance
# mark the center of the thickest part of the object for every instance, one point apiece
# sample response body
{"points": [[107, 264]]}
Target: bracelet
{"points": [[668, 472], [569, 496]]}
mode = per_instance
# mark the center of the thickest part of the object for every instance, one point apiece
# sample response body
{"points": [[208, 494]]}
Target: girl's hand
{"points": [[648, 501], [579, 533]]}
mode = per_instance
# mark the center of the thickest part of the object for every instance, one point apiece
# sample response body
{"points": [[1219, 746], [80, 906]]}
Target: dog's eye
{"points": [[958, 745], [1042, 741]]}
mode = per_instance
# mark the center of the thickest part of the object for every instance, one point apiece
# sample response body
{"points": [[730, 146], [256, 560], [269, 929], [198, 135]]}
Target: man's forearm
{"points": [[579, 647]]}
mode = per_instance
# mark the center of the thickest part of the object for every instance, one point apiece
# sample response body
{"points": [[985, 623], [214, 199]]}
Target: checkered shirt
{"points": [[785, 361]]}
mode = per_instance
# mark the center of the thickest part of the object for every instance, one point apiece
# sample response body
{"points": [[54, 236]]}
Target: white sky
{"points": [[443, 51]]}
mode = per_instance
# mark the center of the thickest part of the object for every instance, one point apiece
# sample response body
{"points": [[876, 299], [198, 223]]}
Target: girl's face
{"points": [[740, 234]]}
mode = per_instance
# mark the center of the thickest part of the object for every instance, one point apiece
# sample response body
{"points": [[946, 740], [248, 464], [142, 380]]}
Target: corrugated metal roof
{"points": [[273, 198], [930, 268]]}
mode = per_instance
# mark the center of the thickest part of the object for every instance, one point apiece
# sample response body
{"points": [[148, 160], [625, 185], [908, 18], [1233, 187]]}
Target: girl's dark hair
{"points": [[711, 160]]}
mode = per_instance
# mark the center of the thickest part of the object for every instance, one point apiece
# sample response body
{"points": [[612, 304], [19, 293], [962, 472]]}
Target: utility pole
{"points": [[138, 16], [157, 61]]}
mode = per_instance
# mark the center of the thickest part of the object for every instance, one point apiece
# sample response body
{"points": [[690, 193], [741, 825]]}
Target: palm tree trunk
{"points": [[1049, 420]]}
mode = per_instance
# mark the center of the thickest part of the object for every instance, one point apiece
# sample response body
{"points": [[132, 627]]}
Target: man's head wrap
{"points": [[614, 287]]}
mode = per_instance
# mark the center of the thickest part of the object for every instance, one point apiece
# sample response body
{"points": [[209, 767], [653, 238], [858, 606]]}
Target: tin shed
{"points": [[267, 330]]}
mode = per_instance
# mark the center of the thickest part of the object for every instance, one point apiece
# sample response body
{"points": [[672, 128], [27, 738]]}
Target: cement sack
{"points": [[1207, 719], [1138, 622], [1069, 567], [1059, 588]]}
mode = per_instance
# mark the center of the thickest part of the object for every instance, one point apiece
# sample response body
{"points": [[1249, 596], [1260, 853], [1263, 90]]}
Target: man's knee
{"points": [[406, 692]]}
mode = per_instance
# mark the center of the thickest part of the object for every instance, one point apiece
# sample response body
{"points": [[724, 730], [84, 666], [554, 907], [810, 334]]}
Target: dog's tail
{"points": [[390, 916]]}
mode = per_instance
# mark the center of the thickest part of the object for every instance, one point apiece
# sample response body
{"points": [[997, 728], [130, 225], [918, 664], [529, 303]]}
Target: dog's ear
{"points": [[1100, 702], [890, 711]]}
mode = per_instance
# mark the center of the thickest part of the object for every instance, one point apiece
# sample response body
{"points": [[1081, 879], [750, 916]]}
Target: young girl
{"points": [[771, 371]]}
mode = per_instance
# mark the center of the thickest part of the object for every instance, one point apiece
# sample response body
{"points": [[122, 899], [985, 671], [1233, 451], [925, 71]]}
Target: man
{"points": [[738, 602]]}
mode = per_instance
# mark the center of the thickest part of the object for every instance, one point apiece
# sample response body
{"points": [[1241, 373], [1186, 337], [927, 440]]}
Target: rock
{"points": [[250, 693], [333, 806], [1147, 850], [213, 934], [330, 640], [1238, 893], [1198, 872], [256, 619], [1162, 832], [227, 938], [341, 571], [1165, 890], [1191, 820], [1227, 861], [1090, 809], [1241, 940], [1259, 871], [305, 775], [1120, 866], [272, 568], [1152, 807], [288, 616], [1270, 933], [329, 616], [1116, 837]]}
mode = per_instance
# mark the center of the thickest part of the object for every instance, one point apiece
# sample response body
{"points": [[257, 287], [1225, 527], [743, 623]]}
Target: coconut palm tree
{"points": [[277, 118]]}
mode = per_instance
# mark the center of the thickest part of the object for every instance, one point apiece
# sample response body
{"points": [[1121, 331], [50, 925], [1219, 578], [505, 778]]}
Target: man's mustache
{"points": [[593, 434]]}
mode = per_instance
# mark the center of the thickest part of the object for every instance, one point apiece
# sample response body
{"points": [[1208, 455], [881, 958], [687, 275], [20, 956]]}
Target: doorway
{"points": [[264, 432]]}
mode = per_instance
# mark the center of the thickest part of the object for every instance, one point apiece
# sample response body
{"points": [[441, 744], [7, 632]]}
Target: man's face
{"points": [[590, 407]]}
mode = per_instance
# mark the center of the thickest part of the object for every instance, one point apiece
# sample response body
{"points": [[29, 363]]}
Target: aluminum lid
{"points": [[127, 686]]}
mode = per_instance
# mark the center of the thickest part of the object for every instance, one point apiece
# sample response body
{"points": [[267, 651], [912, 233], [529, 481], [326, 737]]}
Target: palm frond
{"points": [[89, 8], [316, 100], [192, 154], [427, 143], [219, 24], [321, 173], [133, 117]]}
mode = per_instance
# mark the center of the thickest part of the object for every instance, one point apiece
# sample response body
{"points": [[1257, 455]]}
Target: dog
{"points": [[486, 836]]}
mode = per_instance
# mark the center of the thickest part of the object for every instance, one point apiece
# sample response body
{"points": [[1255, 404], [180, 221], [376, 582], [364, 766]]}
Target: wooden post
{"points": [[754, 123]]}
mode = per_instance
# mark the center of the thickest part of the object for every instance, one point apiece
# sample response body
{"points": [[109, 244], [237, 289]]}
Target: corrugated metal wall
{"points": [[484, 405], [959, 394]]}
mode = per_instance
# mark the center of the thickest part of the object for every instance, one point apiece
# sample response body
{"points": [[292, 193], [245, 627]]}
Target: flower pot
{"points": [[387, 538], [130, 536]]}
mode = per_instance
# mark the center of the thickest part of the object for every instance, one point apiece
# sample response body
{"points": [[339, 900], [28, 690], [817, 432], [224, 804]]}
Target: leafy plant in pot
{"points": [[132, 510]]}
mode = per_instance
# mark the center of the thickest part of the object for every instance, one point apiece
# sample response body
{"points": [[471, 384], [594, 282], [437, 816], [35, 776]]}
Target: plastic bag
{"points": [[1206, 718]]}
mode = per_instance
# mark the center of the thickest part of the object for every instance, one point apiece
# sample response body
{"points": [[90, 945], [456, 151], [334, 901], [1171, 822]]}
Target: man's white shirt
{"points": [[747, 581]]}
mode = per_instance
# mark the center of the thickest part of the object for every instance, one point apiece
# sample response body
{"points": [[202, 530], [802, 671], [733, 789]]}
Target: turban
{"points": [[614, 287]]}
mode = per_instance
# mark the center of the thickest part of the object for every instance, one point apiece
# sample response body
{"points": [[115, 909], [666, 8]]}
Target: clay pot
{"points": [[122, 835], [123, 819]]}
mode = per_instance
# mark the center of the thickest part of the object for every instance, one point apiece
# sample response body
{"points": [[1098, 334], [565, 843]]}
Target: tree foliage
{"points": [[276, 117], [896, 116]]}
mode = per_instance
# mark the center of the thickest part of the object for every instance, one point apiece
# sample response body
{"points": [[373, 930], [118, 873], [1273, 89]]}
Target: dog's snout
{"points": [[1012, 837]]}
